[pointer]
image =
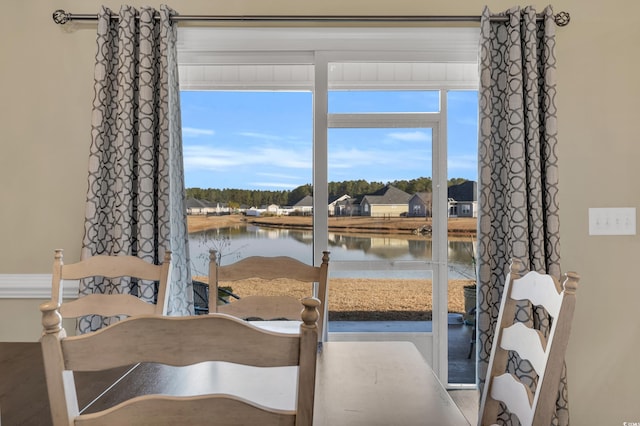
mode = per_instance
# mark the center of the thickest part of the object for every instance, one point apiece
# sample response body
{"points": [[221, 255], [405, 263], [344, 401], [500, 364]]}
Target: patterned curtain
{"points": [[518, 171], [135, 200]]}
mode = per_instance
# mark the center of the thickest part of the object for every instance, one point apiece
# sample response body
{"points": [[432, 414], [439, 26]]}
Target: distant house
{"points": [[420, 204], [463, 199], [388, 201], [193, 206], [347, 207], [253, 211], [273, 209], [222, 208], [333, 204], [285, 210], [304, 206], [202, 207]]}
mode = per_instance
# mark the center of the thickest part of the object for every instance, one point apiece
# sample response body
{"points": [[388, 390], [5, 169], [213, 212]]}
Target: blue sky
{"points": [[263, 140]]}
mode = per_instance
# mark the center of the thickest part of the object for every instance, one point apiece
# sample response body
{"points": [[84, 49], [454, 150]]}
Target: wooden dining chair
{"points": [[272, 270], [103, 266], [179, 341], [544, 354]]}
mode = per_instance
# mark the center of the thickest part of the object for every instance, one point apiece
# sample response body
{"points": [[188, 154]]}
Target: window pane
{"points": [[247, 156], [462, 130], [247, 140]]}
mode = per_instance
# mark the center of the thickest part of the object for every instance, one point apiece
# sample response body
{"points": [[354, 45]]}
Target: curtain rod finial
{"points": [[562, 19], [60, 17]]}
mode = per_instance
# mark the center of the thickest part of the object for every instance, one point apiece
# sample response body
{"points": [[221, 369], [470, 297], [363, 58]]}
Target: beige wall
{"points": [[387, 210], [46, 93], [26, 311]]}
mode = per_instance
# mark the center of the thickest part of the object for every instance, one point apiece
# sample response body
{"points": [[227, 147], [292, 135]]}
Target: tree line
{"points": [[235, 198]]}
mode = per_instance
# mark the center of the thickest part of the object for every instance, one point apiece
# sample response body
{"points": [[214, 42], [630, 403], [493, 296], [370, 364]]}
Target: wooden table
{"points": [[358, 383], [380, 383], [23, 388]]}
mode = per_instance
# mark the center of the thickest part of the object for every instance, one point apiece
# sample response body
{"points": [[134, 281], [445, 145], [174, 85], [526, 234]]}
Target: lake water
{"points": [[243, 241]]}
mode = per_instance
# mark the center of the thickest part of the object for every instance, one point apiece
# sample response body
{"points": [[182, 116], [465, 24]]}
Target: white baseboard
{"points": [[33, 286]]}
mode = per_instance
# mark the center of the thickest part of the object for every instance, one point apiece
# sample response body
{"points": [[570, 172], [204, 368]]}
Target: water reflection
{"points": [[381, 247], [251, 240]]}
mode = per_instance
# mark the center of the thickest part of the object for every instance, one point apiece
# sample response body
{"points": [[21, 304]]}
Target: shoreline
{"points": [[406, 226]]}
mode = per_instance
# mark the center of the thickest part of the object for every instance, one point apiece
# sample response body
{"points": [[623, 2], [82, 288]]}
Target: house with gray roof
{"points": [[195, 206], [347, 207], [387, 202], [420, 204], [304, 206], [463, 199], [334, 204]]}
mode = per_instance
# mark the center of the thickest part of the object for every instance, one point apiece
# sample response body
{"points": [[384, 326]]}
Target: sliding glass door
{"points": [[347, 149]]}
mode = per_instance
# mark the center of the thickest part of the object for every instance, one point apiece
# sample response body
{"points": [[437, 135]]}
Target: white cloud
{"points": [[462, 162], [204, 157], [222, 159], [467, 121], [284, 158], [352, 158], [194, 132], [276, 185], [410, 136], [372, 158], [260, 136], [278, 175]]}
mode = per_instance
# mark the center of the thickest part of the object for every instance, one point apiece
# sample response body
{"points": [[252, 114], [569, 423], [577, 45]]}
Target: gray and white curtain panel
{"points": [[518, 170], [135, 200]]}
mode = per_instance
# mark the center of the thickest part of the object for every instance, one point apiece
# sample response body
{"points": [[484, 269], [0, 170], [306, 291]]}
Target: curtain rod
{"points": [[61, 17]]}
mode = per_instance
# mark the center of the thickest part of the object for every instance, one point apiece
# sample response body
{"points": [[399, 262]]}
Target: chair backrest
{"points": [[271, 269], [545, 354], [110, 267], [162, 339]]}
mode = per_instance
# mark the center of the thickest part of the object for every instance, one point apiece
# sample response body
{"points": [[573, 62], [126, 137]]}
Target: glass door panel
{"points": [[462, 128], [380, 225]]}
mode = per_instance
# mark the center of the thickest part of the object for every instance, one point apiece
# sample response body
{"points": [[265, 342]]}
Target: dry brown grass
{"points": [[365, 299], [356, 224]]}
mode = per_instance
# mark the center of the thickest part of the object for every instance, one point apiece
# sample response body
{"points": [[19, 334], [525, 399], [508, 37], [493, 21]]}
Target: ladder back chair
{"points": [[544, 354], [171, 341], [273, 270], [110, 267]]}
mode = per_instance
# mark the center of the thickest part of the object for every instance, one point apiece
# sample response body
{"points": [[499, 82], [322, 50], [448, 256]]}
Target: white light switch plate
{"points": [[612, 221]]}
